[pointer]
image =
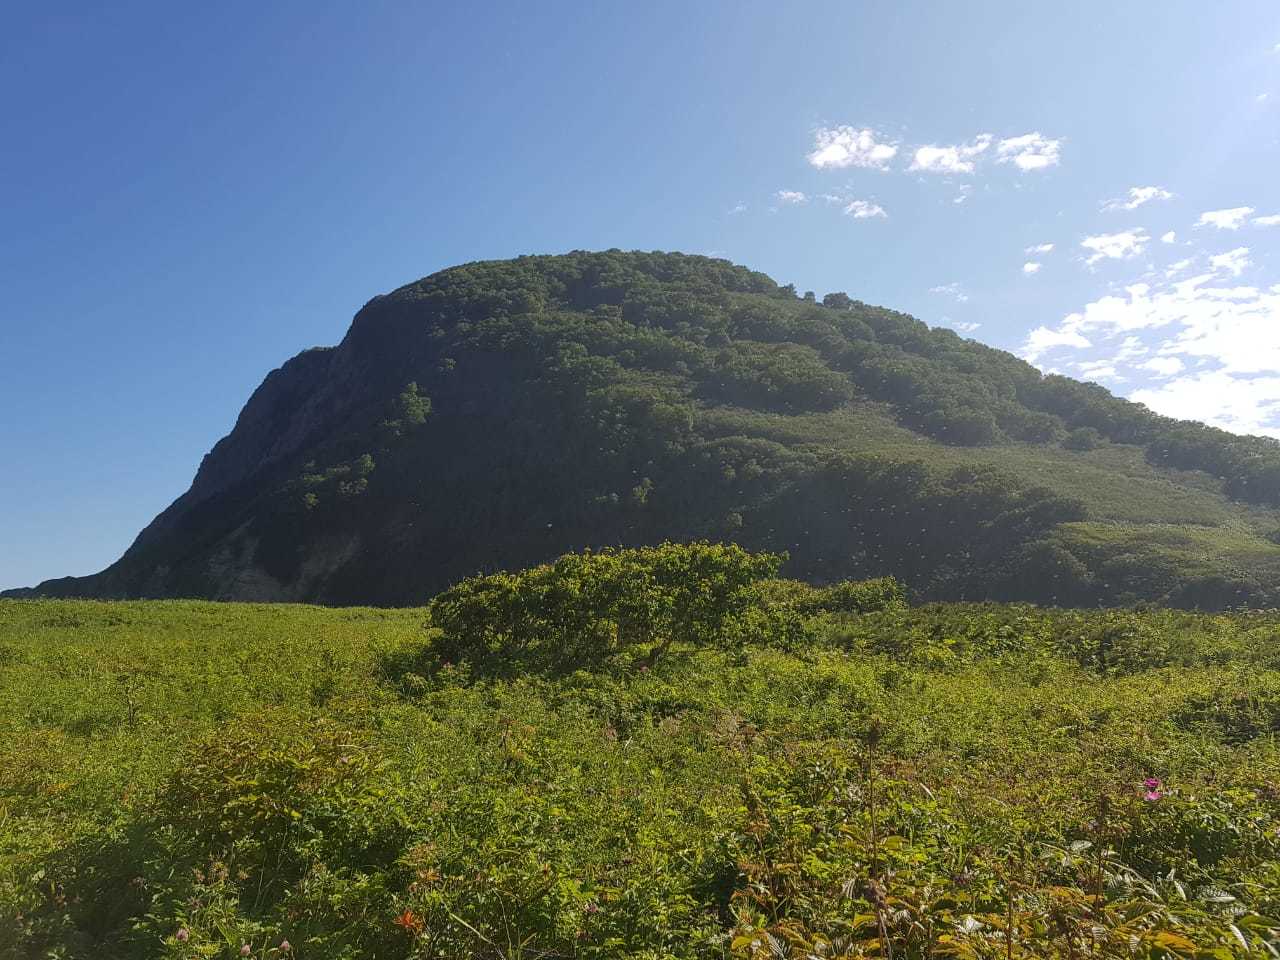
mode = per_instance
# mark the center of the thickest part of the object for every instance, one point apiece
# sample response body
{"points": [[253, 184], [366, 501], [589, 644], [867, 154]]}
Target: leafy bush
{"points": [[1083, 438], [586, 607]]}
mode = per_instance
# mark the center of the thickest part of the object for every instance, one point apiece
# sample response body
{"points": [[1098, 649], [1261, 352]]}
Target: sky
{"points": [[188, 197]]}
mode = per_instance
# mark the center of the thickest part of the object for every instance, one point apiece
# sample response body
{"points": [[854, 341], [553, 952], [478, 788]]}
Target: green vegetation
{"points": [[498, 414], [755, 769]]}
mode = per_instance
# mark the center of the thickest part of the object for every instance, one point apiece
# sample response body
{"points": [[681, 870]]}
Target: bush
{"points": [[586, 607], [1083, 438]]}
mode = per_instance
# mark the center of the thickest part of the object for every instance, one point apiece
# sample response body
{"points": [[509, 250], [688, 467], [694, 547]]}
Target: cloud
{"points": [[1168, 237], [1225, 340], [960, 326], [835, 148], [1233, 262], [1231, 219], [1262, 98], [1163, 366], [1098, 370], [1039, 248], [790, 196], [1272, 220], [1137, 197], [958, 158], [951, 290], [864, 210], [963, 194], [738, 207], [1043, 339], [1031, 151], [1030, 267], [1176, 268], [1115, 246], [1243, 405]]}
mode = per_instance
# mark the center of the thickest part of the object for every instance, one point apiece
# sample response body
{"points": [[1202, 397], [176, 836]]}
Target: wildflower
{"points": [[591, 907], [1152, 795], [409, 921], [1154, 788], [245, 950], [183, 935], [285, 946], [1151, 783]]}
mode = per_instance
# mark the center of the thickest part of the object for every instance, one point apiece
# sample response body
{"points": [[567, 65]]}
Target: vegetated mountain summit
{"points": [[497, 414]]}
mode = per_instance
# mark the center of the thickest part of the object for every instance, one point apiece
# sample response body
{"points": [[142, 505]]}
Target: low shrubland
{"points": [[755, 769]]}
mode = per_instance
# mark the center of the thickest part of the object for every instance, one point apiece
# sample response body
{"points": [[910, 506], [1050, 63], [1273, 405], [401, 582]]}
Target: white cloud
{"points": [[1137, 197], [1262, 98], [1115, 246], [738, 207], [1272, 220], [957, 158], [1030, 267], [1163, 366], [1043, 339], [1098, 370], [1031, 151], [790, 196], [1168, 237], [1233, 262], [951, 290], [1040, 248], [961, 326], [864, 210], [1231, 219], [1176, 268], [963, 194], [840, 147], [1244, 405], [1228, 335]]}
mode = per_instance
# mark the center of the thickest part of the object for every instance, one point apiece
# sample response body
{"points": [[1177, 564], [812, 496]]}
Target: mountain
{"points": [[497, 414]]}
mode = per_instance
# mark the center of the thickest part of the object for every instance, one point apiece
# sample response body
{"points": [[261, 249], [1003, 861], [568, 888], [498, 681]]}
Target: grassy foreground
{"points": [[182, 779]]}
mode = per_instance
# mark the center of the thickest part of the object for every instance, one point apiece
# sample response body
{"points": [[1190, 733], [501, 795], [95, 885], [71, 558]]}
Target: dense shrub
{"points": [[586, 607]]}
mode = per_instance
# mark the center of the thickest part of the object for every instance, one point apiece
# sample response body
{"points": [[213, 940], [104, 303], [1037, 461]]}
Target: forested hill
{"points": [[498, 414]]}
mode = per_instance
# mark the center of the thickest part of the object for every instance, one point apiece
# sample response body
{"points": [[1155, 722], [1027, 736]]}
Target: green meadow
{"points": [[195, 779]]}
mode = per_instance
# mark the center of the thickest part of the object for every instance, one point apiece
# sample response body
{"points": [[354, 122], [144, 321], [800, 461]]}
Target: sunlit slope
{"points": [[496, 414]]}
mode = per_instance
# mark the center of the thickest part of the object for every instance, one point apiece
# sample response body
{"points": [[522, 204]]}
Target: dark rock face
{"points": [[497, 414]]}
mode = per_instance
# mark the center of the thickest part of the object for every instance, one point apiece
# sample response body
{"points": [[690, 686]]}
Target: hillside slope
{"points": [[499, 413]]}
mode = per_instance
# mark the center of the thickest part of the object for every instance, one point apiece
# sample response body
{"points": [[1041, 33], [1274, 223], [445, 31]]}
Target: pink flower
{"points": [[1152, 795], [285, 946], [183, 935], [246, 950], [1151, 783]]}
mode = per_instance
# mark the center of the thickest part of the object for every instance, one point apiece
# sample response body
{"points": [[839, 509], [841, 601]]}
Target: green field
{"points": [[191, 779]]}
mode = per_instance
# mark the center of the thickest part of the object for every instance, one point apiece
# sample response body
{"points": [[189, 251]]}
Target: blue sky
{"points": [[188, 198]]}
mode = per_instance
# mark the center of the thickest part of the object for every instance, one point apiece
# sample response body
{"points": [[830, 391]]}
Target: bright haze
{"points": [[189, 197]]}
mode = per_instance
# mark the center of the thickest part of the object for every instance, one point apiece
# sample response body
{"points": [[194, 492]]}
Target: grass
{"points": [[184, 779]]}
